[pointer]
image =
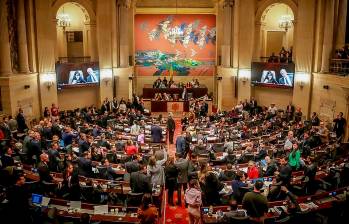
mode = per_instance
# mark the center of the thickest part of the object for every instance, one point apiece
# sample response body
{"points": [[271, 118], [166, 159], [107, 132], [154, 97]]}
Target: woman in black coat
{"points": [[171, 173]]}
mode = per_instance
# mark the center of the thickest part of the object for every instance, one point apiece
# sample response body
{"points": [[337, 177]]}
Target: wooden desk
{"points": [[149, 93]]}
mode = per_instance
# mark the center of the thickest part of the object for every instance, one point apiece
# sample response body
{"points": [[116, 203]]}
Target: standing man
{"points": [[171, 127], [255, 203], [180, 144], [156, 133], [339, 126]]}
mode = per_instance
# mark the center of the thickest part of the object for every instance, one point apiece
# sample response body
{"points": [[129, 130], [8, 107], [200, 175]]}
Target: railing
{"points": [[339, 66], [73, 59], [276, 59]]}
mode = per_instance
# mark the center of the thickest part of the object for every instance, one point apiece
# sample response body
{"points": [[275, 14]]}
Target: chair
{"points": [[134, 199]]}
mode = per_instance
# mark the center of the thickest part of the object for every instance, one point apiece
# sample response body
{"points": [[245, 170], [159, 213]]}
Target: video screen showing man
{"points": [[285, 78], [76, 77], [269, 77], [91, 76]]}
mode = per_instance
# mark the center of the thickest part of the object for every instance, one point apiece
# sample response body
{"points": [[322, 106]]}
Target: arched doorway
{"points": [[275, 28], [76, 29]]}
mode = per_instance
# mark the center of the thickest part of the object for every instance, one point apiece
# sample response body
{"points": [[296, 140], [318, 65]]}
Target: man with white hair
{"points": [[91, 77], [43, 169]]}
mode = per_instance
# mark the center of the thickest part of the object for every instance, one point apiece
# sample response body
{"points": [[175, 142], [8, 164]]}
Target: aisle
{"points": [[175, 214]]}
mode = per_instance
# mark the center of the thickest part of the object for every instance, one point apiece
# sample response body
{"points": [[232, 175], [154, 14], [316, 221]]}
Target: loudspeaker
{"points": [[26, 86], [326, 87], [219, 77]]}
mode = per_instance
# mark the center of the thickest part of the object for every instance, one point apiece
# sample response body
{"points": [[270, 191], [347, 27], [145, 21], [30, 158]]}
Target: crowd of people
{"points": [[73, 142], [285, 56], [342, 53], [172, 84]]}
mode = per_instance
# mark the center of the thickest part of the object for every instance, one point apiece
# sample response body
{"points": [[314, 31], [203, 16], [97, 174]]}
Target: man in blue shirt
{"points": [[237, 184]]}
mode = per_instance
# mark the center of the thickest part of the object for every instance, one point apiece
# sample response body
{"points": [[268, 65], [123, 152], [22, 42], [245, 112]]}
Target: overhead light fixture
{"points": [[286, 21], [63, 20]]}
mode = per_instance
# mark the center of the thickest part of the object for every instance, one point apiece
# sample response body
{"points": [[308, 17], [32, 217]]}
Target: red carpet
{"points": [[175, 214]]}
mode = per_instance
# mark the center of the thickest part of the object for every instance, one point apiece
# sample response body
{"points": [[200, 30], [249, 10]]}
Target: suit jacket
{"points": [[182, 165], [156, 133], [132, 166], [171, 125], [85, 167], [44, 172], [140, 183]]}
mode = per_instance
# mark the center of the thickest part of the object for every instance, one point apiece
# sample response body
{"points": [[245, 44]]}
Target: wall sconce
{"points": [[244, 75], [302, 79], [107, 81], [49, 84], [301, 84], [244, 80]]}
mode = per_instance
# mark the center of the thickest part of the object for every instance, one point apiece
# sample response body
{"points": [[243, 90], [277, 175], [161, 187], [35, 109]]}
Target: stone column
{"points": [[31, 36], [123, 15], [91, 35], [341, 25], [328, 36], [5, 57], [257, 41], [228, 15], [22, 38]]}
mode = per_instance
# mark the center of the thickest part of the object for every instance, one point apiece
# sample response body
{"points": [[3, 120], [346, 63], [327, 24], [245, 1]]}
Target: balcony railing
{"points": [[339, 66], [74, 59]]}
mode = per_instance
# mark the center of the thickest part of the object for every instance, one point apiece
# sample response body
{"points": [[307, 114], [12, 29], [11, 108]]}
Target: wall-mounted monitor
{"points": [[71, 75], [280, 75]]}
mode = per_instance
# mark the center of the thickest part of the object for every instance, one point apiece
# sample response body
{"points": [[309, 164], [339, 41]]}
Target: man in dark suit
{"points": [[140, 182], [34, 150], [339, 126], [133, 165], [18, 203], [6, 159], [54, 157], [171, 127], [182, 165], [85, 164], [156, 133], [253, 106], [290, 111], [44, 171]]}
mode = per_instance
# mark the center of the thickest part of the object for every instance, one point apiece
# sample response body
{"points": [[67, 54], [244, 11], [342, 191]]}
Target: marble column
{"points": [[5, 57], [341, 24], [22, 38], [328, 36]]}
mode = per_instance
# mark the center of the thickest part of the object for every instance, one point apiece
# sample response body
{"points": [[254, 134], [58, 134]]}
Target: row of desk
{"points": [[149, 93]]}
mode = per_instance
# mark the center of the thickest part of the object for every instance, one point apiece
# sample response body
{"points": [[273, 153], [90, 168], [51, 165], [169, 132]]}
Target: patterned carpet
{"points": [[175, 214]]}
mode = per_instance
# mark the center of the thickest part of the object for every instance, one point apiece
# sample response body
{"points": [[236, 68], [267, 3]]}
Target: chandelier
{"points": [[63, 20], [285, 22]]}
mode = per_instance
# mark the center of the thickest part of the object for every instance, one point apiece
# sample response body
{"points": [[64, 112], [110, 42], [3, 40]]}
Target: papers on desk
{"points": [[244, 169], [227, 190], [100, 209], [75, 204], [45, 201]]}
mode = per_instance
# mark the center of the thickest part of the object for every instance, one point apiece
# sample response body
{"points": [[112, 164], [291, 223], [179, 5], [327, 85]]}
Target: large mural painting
{"points": [[179, 45]]}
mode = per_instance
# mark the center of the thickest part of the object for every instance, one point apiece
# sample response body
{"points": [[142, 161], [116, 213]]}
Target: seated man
{"points": [[6, 159], [43, 169], [270, 167], [200, 149], [234, 215], [228, 174], [238, 183]]}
